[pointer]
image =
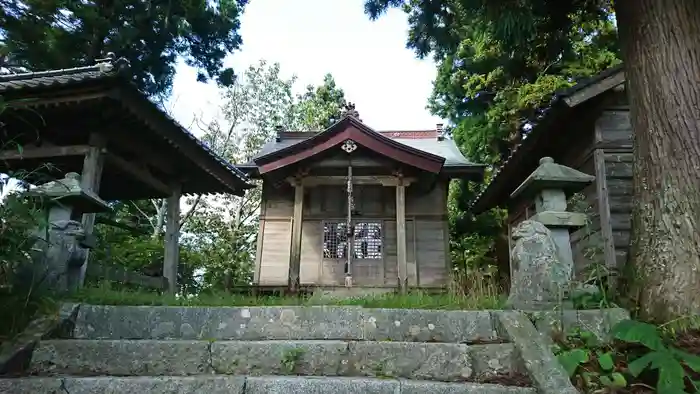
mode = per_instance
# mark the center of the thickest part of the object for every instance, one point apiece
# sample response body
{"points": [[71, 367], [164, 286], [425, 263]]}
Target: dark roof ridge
{"points": [[108, 65]]}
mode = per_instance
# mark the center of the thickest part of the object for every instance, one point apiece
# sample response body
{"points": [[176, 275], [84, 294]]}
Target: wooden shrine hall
{"points": [[353, 207], [93, 121]]}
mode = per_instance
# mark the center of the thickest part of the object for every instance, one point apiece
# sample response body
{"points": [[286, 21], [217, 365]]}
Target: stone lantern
{"points": [[542, 261], [63, 241]]}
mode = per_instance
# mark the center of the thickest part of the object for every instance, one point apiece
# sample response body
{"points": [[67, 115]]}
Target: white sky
{"points": [[310, 38]]}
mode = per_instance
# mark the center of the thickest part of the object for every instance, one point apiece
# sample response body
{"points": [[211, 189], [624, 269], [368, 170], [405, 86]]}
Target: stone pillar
{"points": [[541, 259], [63, 242]]}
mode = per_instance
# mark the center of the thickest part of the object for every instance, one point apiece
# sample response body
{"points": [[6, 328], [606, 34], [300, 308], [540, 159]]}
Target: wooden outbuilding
{"points": [[351, 206], [587, 127], [93, 121]]}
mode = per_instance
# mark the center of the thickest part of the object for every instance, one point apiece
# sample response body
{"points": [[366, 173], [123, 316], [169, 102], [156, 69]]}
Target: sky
{"points": [[309, 38]]}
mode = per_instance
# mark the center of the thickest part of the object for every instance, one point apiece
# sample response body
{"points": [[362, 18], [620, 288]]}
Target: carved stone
{"points": [[62, 245], [539, 278], [542, 261]]}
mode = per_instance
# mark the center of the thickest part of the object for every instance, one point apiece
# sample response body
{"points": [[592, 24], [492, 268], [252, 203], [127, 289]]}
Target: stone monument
{"points": [[542, 262], [62, 243]]}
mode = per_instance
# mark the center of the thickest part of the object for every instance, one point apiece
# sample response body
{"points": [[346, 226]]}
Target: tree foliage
{"points": [[319, 106], [56, 34], [499, 62], [225, 227], [535, 46]]}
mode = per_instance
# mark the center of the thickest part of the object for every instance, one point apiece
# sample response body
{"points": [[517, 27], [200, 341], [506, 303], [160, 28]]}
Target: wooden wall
{"points": [[426, 235], [274, 238], [614, 136]]}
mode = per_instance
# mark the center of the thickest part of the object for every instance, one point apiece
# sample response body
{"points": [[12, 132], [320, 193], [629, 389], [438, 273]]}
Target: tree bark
{"points": [[660, 42]]}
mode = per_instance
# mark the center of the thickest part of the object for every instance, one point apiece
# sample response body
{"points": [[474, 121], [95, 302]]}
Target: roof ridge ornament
{"points": [[111, 63], [349, 110]]}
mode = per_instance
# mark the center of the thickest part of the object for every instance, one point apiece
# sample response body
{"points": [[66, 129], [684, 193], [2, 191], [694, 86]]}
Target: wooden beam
{"points": [[295, 252], [67, 98], [172, 238], [155, 159], [384, 180], [603, 194], [595, 89], [139, 172], [401, 238], [90, 180], [44, 152]]}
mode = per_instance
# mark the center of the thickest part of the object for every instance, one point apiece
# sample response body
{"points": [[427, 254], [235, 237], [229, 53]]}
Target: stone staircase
{"points": [[118, 349]]}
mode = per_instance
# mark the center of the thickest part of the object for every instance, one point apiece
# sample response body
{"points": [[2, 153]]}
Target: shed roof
{"points": [[66, 104], [512, 171], [420, 143]]}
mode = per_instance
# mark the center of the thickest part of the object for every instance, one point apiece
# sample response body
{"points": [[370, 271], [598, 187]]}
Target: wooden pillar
{"points": [[295, 252], [401, 236], [89, 180], [172, 238]]}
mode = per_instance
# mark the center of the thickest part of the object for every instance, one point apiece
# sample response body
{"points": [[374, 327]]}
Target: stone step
{"points": [[302, 323], [243, 385], [414, 360]]}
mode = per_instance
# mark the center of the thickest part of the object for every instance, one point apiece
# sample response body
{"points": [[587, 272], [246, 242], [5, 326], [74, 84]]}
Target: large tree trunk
{"points": [[661, 48]]}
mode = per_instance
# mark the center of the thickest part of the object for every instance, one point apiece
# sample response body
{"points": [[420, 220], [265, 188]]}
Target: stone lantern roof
{"points": [[69, 192], [550, 175]]}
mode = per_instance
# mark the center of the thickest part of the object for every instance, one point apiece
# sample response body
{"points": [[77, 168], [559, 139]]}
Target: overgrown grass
{"points": [[17, 312], [104, 294]]}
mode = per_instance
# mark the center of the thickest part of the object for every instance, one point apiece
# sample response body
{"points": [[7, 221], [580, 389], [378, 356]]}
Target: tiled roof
{"points": [[47, 79], [424, 140], [105, 69]]}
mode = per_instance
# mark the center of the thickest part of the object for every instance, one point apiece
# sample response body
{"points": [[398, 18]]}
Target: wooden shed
{"points": [[350, 206], [587, 127]]}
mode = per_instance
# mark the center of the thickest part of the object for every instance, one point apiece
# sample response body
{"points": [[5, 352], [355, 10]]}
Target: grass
{"points": [[18, 310], [104, 294]]}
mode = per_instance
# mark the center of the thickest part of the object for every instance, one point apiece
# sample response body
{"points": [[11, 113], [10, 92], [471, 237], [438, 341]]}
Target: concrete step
{"points": [[267, 323], [412, 360], [243, 385]]}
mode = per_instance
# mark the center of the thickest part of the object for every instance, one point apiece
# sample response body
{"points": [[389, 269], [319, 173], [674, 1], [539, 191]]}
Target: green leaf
{"points": [[615, 381], [637, 366], [671, 379], [571, 359], [691, 360], [605, 360], [638, 332]]}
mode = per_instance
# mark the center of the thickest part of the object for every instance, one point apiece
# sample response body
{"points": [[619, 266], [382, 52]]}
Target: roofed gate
{"points": [[93, 121]]}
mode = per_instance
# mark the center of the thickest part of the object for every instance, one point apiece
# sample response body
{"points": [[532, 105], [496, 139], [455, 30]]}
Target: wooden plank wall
{"points": [[426, 235], [278, 206], [429, 212], [614, 134]]}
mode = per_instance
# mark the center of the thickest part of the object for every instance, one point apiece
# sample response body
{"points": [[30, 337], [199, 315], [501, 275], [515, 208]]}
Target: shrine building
{"points": [[353, 207]]}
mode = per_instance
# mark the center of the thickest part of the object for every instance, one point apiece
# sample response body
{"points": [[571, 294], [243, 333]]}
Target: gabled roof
{"points": [[512, 172], [349, 128], [107, 77], [423, 149]]}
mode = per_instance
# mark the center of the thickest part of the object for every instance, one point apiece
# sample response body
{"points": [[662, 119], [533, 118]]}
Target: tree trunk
{"points": [[660, 42]]}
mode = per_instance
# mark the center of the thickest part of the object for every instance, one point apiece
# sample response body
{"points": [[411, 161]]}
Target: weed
{"points": [[105, 294], [291, 358], [641, 355]]}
